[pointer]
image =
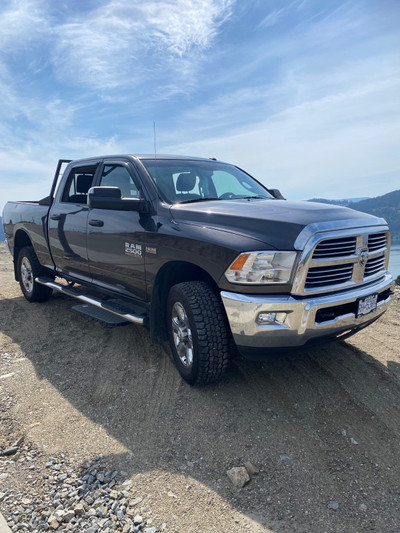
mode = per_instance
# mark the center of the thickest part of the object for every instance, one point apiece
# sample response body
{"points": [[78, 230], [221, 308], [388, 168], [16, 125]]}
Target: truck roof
{"points": [[146, 156]]}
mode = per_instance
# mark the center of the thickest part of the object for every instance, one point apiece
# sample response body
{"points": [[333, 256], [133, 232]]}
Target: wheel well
{"points": [[21, 240], [169, 275]]}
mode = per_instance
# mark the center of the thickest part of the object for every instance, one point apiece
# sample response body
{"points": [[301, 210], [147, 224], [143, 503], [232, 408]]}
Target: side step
{"points": [[105, 318], [117, 309]]}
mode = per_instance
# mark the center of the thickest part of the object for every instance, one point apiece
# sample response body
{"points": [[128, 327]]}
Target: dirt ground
{"points": [[323, 427]]}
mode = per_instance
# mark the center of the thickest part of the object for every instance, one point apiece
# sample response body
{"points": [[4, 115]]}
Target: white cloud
{"points": [[122, 44], [22, 21], [186, 24]]}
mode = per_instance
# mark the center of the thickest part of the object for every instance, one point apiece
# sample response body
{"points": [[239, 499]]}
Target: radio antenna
{"points": [[155, 140]]}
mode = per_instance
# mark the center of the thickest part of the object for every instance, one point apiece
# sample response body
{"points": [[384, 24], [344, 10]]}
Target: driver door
{"points": [[116, 239]]}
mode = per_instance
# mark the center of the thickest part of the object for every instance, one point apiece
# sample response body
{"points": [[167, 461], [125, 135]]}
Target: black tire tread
{"points": [[211, 332], [40, 293]]}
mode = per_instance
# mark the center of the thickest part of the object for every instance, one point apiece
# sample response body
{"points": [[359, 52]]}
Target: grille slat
{"points": [[331, 270], [329, 275], [335, 247], [376, 241], [374, 266]]}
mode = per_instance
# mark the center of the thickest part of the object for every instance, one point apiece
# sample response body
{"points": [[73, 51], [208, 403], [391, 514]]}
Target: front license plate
{"points": [[367, 305]]}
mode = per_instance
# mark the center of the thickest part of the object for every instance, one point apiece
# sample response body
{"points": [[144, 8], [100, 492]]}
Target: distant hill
{"points": [[386, 206], [343, 201], [2, 236]]}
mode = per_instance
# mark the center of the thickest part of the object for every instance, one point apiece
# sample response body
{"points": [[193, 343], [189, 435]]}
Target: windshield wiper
{"points": [[257, 197], [194, 200]]}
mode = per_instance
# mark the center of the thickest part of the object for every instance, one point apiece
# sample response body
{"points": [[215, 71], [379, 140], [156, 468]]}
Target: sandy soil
{"points": [[323, 427]]}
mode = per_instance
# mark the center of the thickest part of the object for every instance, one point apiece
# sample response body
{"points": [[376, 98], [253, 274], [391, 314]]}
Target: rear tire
{"points": [[29, 268], [198, 332]]}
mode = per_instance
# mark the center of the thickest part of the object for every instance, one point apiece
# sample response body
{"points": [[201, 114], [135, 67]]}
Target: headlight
{"points": [[259, 268]]}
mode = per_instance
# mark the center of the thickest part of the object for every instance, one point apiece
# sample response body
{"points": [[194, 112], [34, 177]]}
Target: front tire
{"points": [[198, 332], [29, 268]]}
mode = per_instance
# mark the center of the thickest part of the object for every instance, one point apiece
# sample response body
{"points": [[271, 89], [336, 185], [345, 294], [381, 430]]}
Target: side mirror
{"points": [[277, 193], [110, 198]]}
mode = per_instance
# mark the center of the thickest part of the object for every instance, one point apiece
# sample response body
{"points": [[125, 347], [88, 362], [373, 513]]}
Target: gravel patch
{"points": [[60, 496]]}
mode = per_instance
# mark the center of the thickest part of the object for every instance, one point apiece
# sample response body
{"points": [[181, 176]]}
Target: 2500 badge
{"points": [[133, 249]]}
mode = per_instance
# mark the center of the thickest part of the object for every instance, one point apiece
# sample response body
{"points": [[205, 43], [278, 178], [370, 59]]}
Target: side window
{"points": [[118, 176], [79, 182]]}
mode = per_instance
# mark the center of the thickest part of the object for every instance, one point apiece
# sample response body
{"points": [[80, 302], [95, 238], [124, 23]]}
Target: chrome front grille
{"points": [[333, 262]]}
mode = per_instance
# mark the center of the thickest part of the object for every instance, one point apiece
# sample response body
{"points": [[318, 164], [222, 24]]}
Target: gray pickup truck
{"points": [[202, 254]]}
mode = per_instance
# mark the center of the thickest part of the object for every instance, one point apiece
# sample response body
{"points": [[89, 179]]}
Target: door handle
{"points": [[95, 222], [55, 217]]}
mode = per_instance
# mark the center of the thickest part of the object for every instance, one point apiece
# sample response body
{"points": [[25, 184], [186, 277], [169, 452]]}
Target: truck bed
{"points": [[29, 217]]}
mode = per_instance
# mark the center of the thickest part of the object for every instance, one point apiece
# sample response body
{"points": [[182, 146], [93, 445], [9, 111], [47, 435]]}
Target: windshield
{"points": [[192, 181]]}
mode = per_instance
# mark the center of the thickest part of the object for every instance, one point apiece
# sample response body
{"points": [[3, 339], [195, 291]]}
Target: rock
{"points": [[10, 451], [333, 505], [68, 515], [251, 468], [19, 441], [363, 507], [4, 376], [353, 441], [53, 524], [79, 510], [2, 496], [138, 519], [89, 500], [238, 476], [150, 530], [284, 457]]}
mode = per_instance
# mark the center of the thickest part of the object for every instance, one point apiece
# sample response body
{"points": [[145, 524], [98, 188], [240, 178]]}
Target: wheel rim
{"points": [[27, 275], [182, 335]]}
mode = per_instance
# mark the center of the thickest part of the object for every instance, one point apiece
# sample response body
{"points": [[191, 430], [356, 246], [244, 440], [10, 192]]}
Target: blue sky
{"points": [[303, 94]]}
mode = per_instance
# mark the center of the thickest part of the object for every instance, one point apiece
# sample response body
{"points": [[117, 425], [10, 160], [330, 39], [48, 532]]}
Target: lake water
{"points": [[394, 260]]}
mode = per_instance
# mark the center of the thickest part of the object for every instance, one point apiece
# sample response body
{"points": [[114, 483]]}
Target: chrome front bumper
{"points": [[292, 322]]}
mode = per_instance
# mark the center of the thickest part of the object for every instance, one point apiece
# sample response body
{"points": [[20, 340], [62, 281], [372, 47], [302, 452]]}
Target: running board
{"points": [[92, 300]]}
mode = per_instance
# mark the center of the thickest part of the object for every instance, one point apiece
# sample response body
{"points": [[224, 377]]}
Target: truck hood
{"points": [[276, 223]]}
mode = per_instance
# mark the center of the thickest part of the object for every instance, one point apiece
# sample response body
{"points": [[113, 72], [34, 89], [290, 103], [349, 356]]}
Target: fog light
{"points": [[271, 319]]}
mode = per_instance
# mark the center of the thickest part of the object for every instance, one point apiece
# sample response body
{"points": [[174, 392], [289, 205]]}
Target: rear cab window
{"points": [[78, 183]]}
